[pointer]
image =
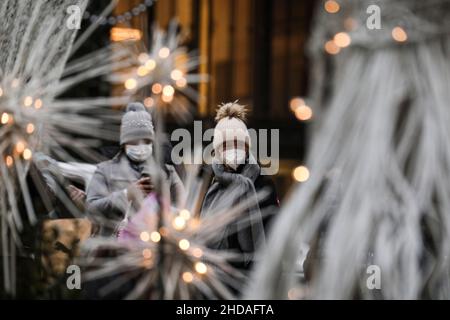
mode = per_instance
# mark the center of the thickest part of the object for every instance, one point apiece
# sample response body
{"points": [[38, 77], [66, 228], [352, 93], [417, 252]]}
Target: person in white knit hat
{"points": [[237, 178]]}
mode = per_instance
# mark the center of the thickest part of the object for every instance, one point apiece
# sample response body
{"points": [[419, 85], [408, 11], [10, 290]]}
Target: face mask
{"points": [[233, 158], [140, 152]]}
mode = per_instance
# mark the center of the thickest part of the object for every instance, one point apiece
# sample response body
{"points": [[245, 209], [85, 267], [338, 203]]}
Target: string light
{"points": [[150, 64], [28, 101], [179, 223], [181, 83], [144, 236], [130, 84], [155, 236], [20, 147], [27, 154], [197, 252], [1, 92], [147, 253], [187, 277], [331, 6], [301, 174], [157, 88], [342, 39], [5, 118], [149, 102], [399, 34], [168, 91], [9, 161], [142, 71], [303, 113], [30, 128], [201, 268], [185, 214], [184, 244], [143, 57], [164, 52], [296, 103], [38, 104], [176, 75], [331, 47]]}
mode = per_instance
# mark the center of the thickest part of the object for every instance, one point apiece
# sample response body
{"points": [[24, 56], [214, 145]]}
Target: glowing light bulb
{"points": [[184, 244], [331, 6], [201, 268], [20, 147], [157, 88], [197, 252], [142, 71], [130, 84], [301, 174], [303, 113], [342, 39], [143, 57], [5, 118], [27, 154], [331, 47], [168, 91], [188, 277], [176, 75], [399, 34], [30, 128], [9, 161], [181, 83], [155, 236], [148, 102], [185, 214], [295, 103], [150, 65], [164, 53], [38, 104], [144, 236], [179, 223], [147, 253], [28, 101]]}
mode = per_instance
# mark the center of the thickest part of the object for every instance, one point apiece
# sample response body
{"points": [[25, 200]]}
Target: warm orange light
{"points": [[30, 128], [197, 252], [28, 101], [9, 161], [176, 74], [38, 104], [142, 71], [331, 47], [168, 91], [157, 88], [301, 174], [179, 223], [188, 277], [342, 39], [201, 268], [184, 244], [303, 113], [143, 57], [150, 65], [144, 236], [181, 82], [27, 154], [130, 84], [20, 147], [185, 214], [399, 34], [155, 236], [164, 53], [147, 253], [125, 34], [295, 103], [148, 102], [331, 6]]}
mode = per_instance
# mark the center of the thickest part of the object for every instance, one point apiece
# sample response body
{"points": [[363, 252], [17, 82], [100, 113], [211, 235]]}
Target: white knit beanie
{"points": [[136, 123], [230, 125]]}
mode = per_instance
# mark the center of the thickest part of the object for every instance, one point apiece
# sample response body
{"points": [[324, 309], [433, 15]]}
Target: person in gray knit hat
{"points": [[119, 185]]}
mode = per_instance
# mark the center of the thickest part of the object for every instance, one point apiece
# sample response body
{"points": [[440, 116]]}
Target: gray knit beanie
{"points": [[136, 124]]}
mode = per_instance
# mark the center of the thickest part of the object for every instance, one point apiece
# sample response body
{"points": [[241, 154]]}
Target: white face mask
{"points": [[140, 152], [233, 158]]}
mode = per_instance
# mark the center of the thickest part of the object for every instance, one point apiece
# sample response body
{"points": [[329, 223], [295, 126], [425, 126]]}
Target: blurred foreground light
{"points": [[144, 236], [399, 34], [303, 113], [9, 161], [296, 103], [147, 253], [331, 47], [125, 34], [38, 104], [201, 268], [197, 252], [301, 174], [164, 53], [331, 6], [188, 277], [20, 147], [184, 244], [179, 223], [342, 39], [148, 102], [185, 214], [130, 84], [30, 128], [155, 236], [27, 154], [5, 118], [157, 88]]}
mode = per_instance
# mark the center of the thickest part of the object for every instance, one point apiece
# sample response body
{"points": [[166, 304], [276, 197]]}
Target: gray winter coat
{"points": [[107, 202]]}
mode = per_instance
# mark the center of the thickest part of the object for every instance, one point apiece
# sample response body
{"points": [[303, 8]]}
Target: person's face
{"points": [[233, 153], [139, 150], [139, 142]]}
